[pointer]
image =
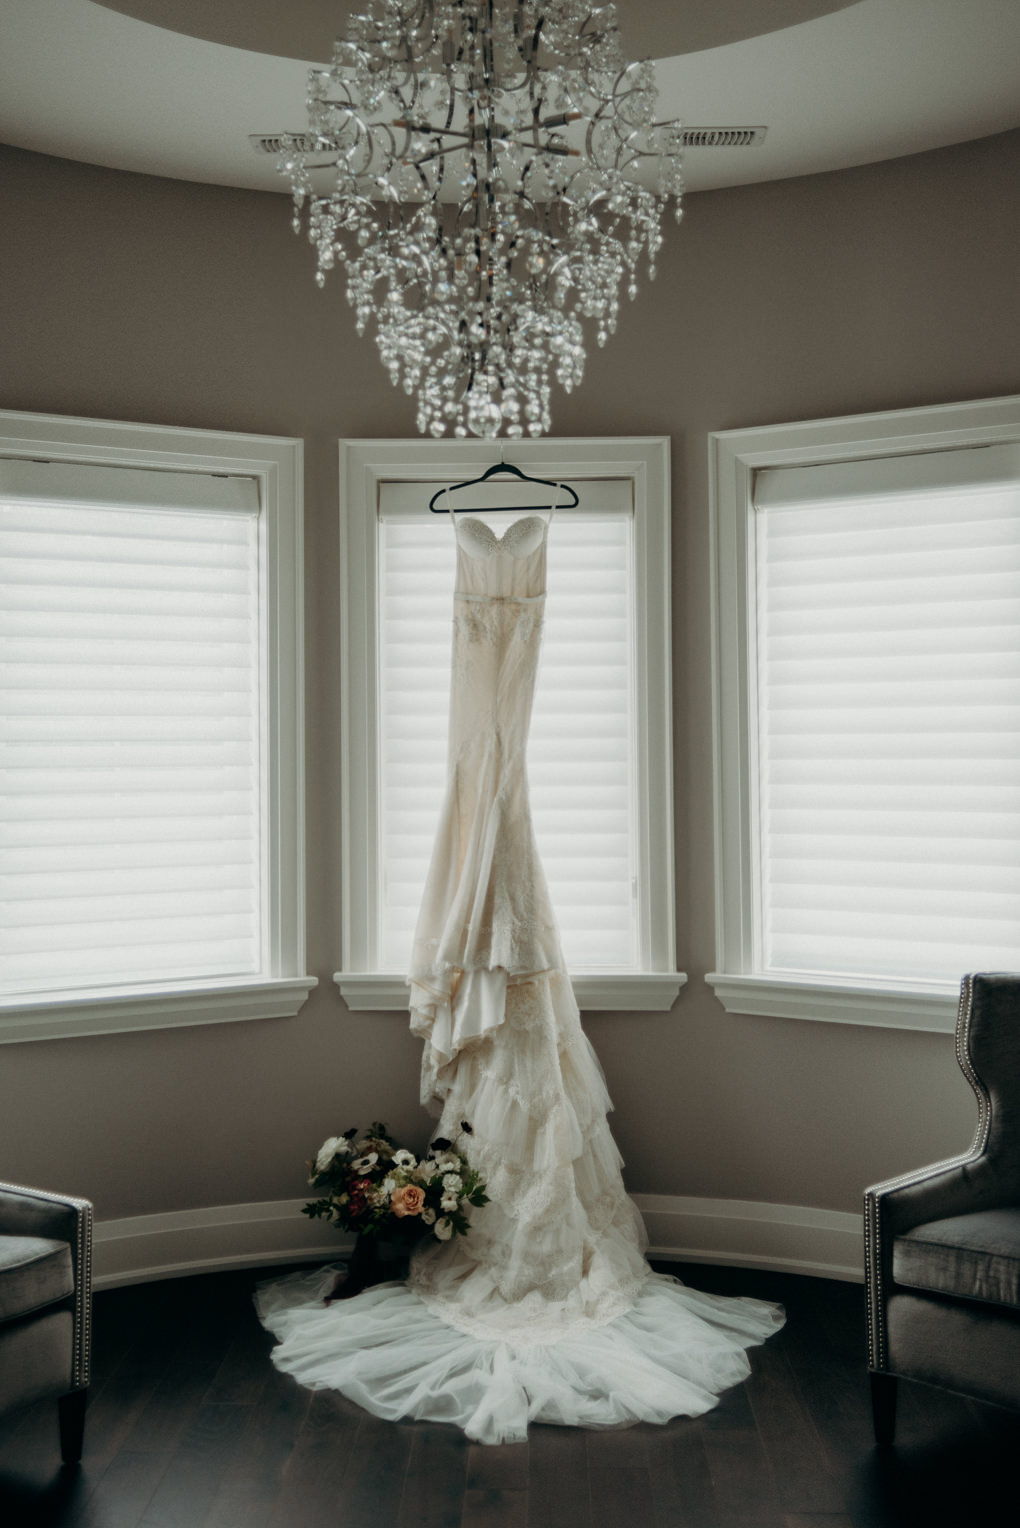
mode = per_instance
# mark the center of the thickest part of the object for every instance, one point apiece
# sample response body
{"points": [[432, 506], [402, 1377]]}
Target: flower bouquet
{"points": [[379, 1190]]}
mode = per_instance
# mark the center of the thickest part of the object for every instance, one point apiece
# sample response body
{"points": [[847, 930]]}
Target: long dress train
{"points": [[547, 1310]]}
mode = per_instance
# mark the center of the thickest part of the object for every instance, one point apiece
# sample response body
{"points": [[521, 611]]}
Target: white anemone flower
{"points": [[404, 1158], [327, 1151]]}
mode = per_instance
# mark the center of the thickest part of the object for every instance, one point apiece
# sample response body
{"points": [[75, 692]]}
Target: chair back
{"points": [[988, 1050]]}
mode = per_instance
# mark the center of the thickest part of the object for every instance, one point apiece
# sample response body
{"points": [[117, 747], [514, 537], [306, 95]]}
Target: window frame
{"points": [[364, 466], [276, 462], [734, 457]]}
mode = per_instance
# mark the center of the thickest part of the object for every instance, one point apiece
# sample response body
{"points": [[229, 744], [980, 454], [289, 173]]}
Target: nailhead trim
{"points": [[82, 1353], [878, 1346]]}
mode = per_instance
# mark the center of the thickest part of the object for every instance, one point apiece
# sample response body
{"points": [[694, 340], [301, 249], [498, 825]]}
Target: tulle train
{"points": [[669, 1355]]}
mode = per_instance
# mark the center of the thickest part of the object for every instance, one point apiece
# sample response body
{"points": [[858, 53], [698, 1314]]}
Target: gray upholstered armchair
{"points": [[942, 1244], [45, 1306]]}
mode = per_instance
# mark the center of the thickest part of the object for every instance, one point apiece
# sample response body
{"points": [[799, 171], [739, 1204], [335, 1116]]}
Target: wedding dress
{"points": [[547, 1311]]}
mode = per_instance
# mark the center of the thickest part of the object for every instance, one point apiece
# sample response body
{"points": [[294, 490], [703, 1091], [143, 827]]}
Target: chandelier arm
{"points": [[362, 141]]}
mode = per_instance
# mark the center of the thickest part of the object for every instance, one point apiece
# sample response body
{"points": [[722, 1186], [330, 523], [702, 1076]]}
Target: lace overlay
{"points": [[547, 1310]]}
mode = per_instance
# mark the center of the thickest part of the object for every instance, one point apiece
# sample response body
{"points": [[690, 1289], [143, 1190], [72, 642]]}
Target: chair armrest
{"points": [[957, 1186], [33, 1212]]}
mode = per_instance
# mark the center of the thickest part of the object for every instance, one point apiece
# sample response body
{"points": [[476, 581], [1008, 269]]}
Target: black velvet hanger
{"points": [[501, 466]]}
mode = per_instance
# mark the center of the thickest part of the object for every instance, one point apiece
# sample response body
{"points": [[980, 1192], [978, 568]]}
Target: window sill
{"points": [[611, 992], [911, 1005], [116, 1012]]}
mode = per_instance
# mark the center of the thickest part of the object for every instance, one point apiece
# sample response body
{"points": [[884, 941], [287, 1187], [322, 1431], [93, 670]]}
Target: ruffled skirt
{"points": [[547, 1311]]}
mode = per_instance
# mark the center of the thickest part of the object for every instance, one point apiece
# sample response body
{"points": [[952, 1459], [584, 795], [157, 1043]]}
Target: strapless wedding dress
{"points": [[547, 1311]]}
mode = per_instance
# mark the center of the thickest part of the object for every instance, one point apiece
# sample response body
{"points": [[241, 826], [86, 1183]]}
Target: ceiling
{"points": [[175, 87]]}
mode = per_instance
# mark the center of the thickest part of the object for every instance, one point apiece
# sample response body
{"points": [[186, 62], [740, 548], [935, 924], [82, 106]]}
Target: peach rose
{"points": [[407, 1201]]}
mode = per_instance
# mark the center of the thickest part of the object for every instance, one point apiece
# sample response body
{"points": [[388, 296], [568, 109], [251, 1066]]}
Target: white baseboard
{"points": [[180, 1242], [790, 1238]]}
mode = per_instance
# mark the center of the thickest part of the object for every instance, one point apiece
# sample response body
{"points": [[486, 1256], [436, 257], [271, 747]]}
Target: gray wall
{"points": [[133, 298]]}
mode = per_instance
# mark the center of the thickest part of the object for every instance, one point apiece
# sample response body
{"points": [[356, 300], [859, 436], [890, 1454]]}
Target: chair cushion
{"points": [[34, 1272], [976, 1257]]}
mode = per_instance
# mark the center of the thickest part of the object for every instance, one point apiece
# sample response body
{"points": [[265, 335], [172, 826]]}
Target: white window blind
{"points": [[888, 715], [131, 833], [581, 752]]}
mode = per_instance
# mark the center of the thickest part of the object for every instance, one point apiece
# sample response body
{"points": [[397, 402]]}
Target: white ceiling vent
{"points": [[723, 137], [693, 138], [274, 143]]}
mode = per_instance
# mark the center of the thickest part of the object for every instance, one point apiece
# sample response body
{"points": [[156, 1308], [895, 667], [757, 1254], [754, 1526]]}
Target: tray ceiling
{"points": [[175, 87]]}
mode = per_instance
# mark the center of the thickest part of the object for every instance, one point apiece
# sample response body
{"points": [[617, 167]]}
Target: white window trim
{"points": [[364, 465], [734, 457], [277, 464]]}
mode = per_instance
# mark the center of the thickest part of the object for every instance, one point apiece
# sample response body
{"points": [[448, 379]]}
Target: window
{"points": [[599, 754], [867, 633], [149, 743]]}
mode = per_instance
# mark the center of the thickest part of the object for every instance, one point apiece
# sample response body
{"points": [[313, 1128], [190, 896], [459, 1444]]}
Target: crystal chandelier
{"points": [[481, 162]]}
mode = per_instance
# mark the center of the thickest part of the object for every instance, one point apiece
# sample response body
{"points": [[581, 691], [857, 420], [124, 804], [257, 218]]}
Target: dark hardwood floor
{"points": [[190, 1426]]}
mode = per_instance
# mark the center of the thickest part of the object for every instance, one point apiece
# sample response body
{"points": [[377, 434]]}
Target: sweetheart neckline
{"points": [[499, 543]]}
